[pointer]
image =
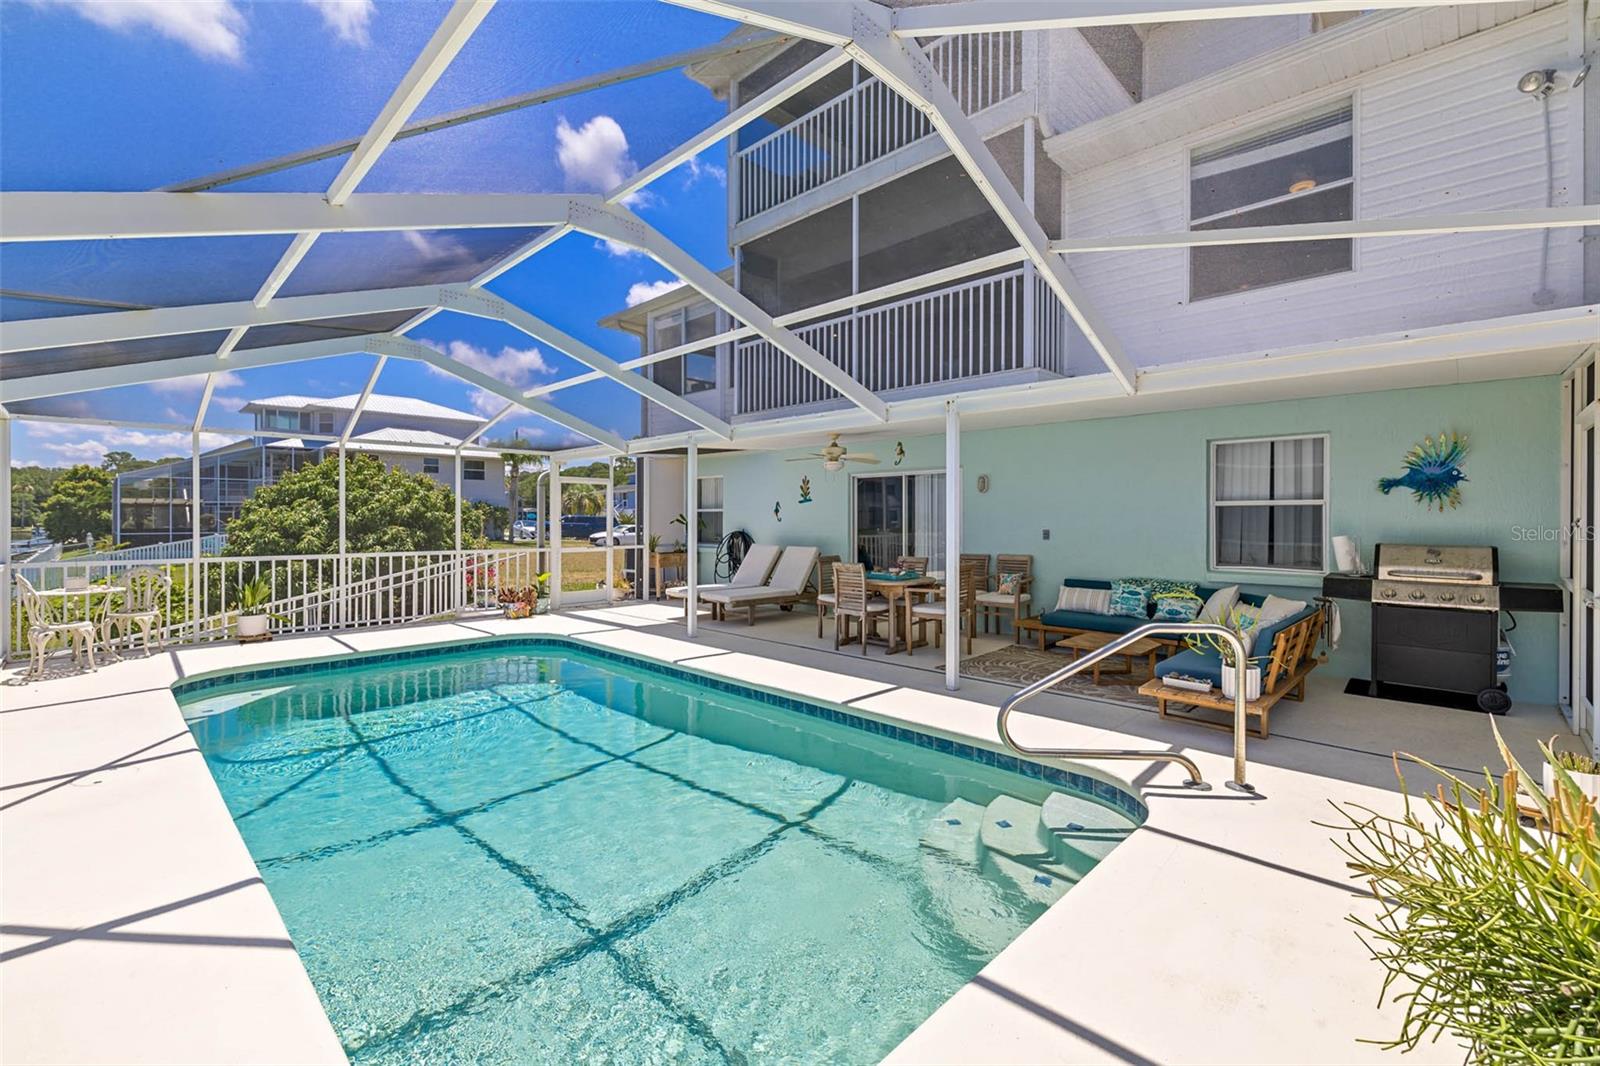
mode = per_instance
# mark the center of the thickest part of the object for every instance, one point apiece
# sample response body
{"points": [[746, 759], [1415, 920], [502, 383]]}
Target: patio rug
{"points": [[1017, 665]]}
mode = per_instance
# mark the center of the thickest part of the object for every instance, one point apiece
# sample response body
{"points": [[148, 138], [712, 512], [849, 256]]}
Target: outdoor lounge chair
{"points": [[752, 573], [786, 587]]}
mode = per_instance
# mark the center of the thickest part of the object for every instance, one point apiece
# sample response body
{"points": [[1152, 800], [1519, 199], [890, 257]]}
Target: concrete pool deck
{"points": [[136, 927]]}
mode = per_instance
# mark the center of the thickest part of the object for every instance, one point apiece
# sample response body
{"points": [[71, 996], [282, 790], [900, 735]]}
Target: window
{"points": [[430, 464], [899, 514], [1302, 171], [472, 470], [325, 424], [710, 508], [1269, 504], [697, 371]]}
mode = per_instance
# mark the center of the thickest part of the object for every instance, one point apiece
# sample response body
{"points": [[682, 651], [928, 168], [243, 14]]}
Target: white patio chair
{"points": [[141, 606], [43, 630]]}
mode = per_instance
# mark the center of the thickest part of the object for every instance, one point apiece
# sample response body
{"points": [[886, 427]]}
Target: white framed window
{"points": [[696, 371], [472, 470], [430, 464], [709, 500], [1269, 504], [1294, 172]]}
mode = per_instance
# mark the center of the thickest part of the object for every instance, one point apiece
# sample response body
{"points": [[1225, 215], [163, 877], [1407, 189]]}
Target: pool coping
{"points": [[1194, 892]]}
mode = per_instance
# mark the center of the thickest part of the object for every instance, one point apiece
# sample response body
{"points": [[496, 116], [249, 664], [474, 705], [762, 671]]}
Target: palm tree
{"points": [[513, 465]]}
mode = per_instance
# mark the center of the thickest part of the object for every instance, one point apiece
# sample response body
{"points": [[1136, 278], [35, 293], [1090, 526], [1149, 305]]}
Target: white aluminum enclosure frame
{"points": [[861, 30]]}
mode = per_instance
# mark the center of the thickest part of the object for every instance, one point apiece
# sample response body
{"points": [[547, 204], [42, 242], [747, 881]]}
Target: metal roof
{"points": [[378, 403]]}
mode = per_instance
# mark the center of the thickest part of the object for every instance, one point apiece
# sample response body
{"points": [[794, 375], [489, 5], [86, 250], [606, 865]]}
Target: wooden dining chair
{"points": [[982, 562], [925, 612], [917, 563], [852, 601], [825, 594], [1012, 593]]}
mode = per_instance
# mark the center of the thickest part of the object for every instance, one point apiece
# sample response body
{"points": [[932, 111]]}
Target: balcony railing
{"points": [[870, 120], [970, 330]]}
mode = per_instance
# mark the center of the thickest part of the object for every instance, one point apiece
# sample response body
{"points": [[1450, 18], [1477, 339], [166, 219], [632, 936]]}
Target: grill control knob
{"points": [[1447, 597], [1418, 594], [1388, 594], [1476, 597]]}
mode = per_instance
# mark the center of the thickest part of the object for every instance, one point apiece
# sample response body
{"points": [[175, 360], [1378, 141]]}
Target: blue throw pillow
{"points": [[1178, 608], [1128, 600]]}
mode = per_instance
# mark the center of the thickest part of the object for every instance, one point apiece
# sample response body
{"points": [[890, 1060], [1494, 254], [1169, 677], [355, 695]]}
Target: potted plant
{"points": [[1241, 624], [1584, 771], [254, 618], [541, 593]]}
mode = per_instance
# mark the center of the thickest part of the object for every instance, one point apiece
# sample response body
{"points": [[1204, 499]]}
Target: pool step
{"points": [[955, 831], [1012, 827], [1082, 831], [1039, 880]]}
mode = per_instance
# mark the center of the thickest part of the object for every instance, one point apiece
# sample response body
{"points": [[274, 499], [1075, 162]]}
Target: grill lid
{"points": [[1440, 564]]}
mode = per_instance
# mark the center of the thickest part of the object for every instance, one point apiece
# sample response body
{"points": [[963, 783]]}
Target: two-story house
{"points": [[152, 505], [851, 222]]}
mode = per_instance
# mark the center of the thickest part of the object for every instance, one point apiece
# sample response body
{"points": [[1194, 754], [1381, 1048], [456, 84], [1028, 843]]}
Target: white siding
{"points": [[1443, 132], [492, 489]]}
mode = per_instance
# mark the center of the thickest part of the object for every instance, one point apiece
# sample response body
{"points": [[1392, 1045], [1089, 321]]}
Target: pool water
{"points": [[535, 855]]}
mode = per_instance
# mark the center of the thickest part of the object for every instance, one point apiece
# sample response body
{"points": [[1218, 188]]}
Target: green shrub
{"points": [[1488, 921]]}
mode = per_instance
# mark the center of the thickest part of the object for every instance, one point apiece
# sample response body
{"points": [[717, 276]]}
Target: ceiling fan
{"points": [[835, 455]]}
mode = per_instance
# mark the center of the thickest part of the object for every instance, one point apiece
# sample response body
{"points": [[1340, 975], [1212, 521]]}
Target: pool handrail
{"points": [[1078, 665]]}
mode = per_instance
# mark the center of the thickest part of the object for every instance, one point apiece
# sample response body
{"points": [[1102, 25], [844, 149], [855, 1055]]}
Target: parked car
{"points": [[582, 526], [619, 535]]}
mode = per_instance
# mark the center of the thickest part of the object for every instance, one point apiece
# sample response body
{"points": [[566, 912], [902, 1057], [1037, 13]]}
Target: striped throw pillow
{"points": [[1088, 601]]}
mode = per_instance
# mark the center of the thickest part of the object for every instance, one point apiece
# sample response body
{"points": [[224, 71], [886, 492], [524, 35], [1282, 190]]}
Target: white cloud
{"points": [[348, 19], [514, 366], [194, 383], [594, 157], [696, 169], [89, 444], [213, 29], [611, 247], [641, 291]]}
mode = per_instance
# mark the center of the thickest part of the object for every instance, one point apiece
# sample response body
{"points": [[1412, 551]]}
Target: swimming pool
{"points": [[531, 852]]}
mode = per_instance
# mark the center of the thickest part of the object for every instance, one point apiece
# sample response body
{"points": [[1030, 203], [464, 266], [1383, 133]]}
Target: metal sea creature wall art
{"points": [[1433, 471], [899, 452], [777, 510]]}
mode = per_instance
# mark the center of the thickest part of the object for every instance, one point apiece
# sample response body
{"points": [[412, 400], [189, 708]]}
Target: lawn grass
{"points": [[585, 569]]}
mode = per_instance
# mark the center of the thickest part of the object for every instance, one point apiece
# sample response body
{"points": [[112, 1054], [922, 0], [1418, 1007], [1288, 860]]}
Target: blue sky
{"points": [[141, 93]]}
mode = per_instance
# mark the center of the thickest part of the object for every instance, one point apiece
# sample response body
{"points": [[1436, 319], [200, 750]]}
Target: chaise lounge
{"points": [[752, 573], [787, 586]]}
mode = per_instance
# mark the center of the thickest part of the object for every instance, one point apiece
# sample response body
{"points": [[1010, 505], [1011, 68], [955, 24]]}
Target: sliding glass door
{"points": [[898, 514]]}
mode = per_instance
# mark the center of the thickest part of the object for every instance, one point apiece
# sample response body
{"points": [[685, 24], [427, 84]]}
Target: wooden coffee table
{"points": [[1145, 649]]}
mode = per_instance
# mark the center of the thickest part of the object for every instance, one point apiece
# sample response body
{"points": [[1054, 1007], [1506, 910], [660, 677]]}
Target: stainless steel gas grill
{"points": [[1436, 620]]}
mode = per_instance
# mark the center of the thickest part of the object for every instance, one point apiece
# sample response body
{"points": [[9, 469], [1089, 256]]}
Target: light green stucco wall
{"points": [[1127, 496]]}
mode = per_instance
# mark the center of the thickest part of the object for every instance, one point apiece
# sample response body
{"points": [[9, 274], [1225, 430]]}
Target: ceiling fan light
{"points": [[833, 465]]}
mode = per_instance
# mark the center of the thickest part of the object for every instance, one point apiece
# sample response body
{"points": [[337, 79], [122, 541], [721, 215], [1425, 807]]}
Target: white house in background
{"points": [[153, 505]]}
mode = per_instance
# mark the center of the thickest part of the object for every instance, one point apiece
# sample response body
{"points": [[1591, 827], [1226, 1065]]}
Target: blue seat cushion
{"points": [[1208, 664], [1202, 664], [1099, 623]]}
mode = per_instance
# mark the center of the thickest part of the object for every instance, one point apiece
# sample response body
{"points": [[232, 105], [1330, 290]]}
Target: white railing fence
{"points": [[309, 593], [870, 120], [969, 330], [210, 544]]}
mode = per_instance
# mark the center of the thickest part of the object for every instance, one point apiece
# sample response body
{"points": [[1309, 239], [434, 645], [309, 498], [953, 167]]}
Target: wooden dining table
{"points": [[895, 589]]}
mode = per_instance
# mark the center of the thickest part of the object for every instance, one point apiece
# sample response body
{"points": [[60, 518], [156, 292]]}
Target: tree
{"points": [[120, 462], [80, 503], [30, 487], [386, 510]]}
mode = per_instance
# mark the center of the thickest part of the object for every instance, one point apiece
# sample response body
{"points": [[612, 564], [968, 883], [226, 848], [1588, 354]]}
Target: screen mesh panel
{"points": [[323, 329], [119, 353], [344, 262]]}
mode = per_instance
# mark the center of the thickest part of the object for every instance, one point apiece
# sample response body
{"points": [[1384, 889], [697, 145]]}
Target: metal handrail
{"points": [[1077, 666]]}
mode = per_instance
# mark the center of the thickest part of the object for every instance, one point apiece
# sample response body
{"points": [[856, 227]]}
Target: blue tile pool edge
{"points": [[1095, 788]]}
